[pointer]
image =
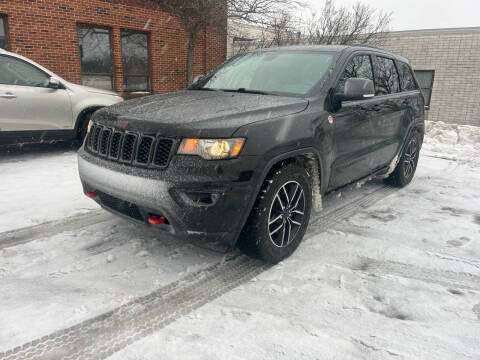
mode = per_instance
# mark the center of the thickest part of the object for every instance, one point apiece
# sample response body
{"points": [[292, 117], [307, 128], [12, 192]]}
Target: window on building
{"points": [[3, 32], [425, 80], [136, 64], [358, 67], [95, 56], [386, 76], [406, 77]]}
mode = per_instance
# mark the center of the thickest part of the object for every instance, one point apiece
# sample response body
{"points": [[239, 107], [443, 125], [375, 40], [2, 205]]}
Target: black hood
{"points": [[197, 113]]}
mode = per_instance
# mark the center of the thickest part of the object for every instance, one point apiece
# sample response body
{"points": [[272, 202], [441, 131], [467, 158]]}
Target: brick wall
{"points": [[46, 32], [454, 55]]}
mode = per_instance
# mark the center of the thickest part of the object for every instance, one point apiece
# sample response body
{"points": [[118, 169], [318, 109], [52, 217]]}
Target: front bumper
{"points": [[201, 200]]}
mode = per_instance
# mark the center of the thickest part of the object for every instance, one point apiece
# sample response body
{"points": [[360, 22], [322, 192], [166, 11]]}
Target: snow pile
{"points": [[457, 142]]}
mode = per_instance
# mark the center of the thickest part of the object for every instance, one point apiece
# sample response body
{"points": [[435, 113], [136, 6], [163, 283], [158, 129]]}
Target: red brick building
{"points": [[124, 45]]}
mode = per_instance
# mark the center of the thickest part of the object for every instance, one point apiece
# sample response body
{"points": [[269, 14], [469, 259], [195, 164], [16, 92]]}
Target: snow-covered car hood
{"points": [[197, 113]]}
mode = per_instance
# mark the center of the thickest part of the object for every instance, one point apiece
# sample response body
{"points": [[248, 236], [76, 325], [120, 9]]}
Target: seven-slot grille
{"points": [[129, 147]]}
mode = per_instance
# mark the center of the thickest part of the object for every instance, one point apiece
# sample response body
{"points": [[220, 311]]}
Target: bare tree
{"points": [[340, 25], [195, 15]]}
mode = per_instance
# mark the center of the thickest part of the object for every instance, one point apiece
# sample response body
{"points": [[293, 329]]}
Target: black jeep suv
{"points": [[243, 155]]}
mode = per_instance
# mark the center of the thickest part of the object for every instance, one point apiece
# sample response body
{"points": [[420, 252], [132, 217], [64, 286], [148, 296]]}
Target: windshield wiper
{"points": [[204, 89], [247, 91]]}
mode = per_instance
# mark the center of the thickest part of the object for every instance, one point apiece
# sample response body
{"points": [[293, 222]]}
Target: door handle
{"points": [[8, 96]]}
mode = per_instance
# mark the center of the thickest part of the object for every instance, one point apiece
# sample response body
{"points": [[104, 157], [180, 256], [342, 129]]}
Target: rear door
{"points": [[353, 129], [26, 101]]}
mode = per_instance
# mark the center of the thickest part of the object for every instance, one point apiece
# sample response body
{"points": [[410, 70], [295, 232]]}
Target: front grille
{"points": [[162, 152], [144, 150], [130, 147], [104, 140], [123, 207], [115, 145]]}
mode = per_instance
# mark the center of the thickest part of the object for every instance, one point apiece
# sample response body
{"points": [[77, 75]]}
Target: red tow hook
{"points": [[91, 194], [156, 220]]}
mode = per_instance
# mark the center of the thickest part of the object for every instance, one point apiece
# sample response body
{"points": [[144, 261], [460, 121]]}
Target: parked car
{"points": [[39, 106], [243, 154]]}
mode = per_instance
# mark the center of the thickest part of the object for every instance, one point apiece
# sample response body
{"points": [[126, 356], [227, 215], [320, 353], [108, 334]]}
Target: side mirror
{"points": [[358, 89], [55, 84], [196, 78]]}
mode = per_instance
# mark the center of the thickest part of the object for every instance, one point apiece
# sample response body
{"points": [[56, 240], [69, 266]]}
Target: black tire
{"points": [[259, 237], [405, 170], [82, 129]]}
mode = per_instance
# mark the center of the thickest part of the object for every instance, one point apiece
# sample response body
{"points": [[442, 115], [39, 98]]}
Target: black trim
{"points": [[15, 138]]}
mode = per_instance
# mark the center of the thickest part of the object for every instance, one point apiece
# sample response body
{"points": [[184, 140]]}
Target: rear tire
{"points": [[280, 216], [405, 170]]}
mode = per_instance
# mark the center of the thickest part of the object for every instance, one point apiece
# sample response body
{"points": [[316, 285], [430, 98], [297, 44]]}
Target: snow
{"points": [[399, 279], [35, 189]]}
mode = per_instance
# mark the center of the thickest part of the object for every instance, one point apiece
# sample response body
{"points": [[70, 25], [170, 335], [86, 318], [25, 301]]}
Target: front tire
{"points": [[407, 165], [280, 216], [82, 130]]}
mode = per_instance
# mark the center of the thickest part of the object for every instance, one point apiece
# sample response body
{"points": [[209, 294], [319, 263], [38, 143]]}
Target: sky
{"points": [[422, 14]]}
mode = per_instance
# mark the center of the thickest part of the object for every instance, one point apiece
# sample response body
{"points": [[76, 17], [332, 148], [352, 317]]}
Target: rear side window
{"points": [[406, 77], [18, 72], [386, 76], [359, 66]]}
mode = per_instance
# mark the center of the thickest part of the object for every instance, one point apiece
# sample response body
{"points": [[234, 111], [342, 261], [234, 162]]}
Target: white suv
{"points": [[38, 106]]}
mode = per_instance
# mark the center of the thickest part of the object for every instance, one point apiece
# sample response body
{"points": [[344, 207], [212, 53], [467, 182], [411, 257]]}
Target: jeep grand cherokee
{"points": [[243, 155]]}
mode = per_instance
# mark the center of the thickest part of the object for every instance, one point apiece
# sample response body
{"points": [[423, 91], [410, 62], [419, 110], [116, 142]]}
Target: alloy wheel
{"points": [[410, 158], [287, 214]]}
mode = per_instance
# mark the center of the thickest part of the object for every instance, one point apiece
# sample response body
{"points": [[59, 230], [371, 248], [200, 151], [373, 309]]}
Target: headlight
{"points": [[212, 149], [89, 127]]}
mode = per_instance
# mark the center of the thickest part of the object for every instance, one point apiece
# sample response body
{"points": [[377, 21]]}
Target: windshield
{"points": [[271, 72]]}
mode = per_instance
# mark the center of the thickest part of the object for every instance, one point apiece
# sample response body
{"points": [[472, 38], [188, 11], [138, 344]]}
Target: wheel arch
{"points": [[305, 156], [81, 116]]}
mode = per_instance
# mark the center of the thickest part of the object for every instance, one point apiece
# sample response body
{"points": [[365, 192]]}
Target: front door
{"points": [[353, 127], [26, 101]]}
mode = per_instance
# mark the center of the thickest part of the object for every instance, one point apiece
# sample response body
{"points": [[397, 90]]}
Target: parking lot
{"points": [[382, 273]]}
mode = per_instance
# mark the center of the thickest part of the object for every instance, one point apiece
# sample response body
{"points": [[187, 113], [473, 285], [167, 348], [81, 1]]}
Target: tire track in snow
{"points": [[102, 336], [325, 220], [446, 278], [106, 334], [75, 222]]}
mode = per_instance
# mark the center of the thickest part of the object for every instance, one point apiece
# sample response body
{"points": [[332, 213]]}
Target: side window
{"points": [[406, 77], [18, 72], [359, 66], [386, 76]]}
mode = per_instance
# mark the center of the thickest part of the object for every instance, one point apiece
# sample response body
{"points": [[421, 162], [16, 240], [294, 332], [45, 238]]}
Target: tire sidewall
{"points": [[267, 250], [402, 180]]}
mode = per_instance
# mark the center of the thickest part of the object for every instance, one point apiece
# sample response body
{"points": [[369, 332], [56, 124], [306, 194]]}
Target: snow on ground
{"points": [[53, 283], [400, 279], [458, 142], [38, 188]]}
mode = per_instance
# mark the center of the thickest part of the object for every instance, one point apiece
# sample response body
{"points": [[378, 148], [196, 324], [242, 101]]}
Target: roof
{"points": [[441, 31], [334, 48]]}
